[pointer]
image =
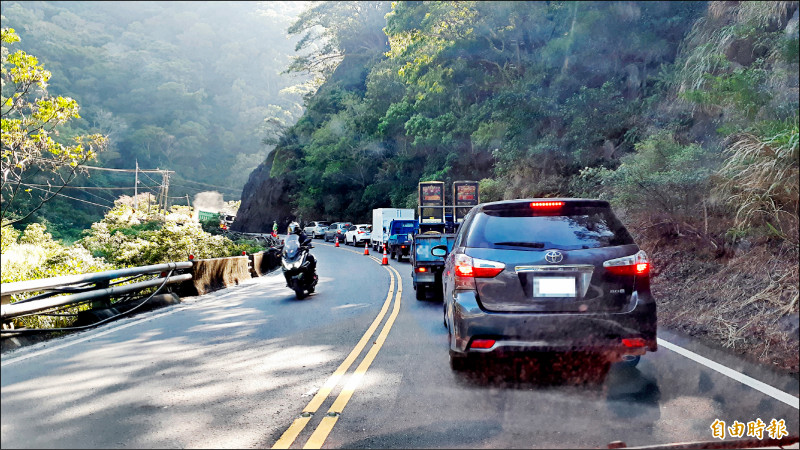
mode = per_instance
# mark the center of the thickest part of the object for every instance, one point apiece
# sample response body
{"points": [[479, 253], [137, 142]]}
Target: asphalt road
{"points": [[359, 364]]}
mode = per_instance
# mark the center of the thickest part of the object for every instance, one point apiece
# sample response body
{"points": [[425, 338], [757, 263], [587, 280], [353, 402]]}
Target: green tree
{"points": [[32, 161]]}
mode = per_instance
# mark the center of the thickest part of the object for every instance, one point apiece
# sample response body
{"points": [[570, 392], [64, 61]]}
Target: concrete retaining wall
{"points": [[212, 274]]}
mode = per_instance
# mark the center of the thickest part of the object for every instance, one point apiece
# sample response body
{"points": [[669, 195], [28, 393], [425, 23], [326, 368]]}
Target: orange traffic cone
{"points": [[385, 261], [366, 248], [337, 241]]}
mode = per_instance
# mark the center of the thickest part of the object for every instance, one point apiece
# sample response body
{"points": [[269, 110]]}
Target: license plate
{"points": [[426, 278], [554, 287]]}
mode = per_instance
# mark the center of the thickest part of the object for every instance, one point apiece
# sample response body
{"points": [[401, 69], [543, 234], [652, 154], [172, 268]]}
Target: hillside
{"points": [[683, 114], [195, 90]]}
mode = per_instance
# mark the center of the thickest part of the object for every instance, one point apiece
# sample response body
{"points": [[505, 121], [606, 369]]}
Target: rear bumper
{"points": [[399, 248], [432, 276], [551, 332]]}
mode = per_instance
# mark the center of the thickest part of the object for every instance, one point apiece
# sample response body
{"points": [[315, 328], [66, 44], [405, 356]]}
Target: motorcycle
{"points": [[299, 267]]}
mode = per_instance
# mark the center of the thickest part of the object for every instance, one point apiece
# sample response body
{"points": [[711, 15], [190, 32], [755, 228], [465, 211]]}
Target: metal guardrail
{"points": [[80, 285]]}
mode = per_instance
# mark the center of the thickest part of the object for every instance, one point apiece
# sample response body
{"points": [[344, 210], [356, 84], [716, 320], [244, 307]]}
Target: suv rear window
{"points": [[568, 228]]}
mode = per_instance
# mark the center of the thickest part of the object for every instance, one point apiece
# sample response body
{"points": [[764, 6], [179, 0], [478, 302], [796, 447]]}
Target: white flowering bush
{"points": [[128, 237], [34, 254]]}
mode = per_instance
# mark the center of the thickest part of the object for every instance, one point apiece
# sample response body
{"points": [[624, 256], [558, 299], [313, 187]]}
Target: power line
{"points": [[77, 187], [154, 181], [67, 196], [210, 185], [127, 170], [86, 187], [190, 187]]}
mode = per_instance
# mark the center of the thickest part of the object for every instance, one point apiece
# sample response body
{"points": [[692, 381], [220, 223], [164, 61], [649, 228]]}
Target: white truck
{"points": [[380, 223]]}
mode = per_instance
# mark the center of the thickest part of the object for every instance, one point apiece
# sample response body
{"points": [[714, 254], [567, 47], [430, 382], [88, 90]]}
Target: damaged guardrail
{"points": [[195, 277], [93, 286]]}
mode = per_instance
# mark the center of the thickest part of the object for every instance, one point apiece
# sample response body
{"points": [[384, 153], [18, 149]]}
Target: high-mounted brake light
{"points": [[546, 204], [637, 264]]}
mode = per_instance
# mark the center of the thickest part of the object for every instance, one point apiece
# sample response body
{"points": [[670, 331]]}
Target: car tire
{"points": [[421, 291]]}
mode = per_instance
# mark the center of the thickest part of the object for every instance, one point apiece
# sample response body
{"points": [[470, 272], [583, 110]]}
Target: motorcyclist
{"points": [[294, 228]]}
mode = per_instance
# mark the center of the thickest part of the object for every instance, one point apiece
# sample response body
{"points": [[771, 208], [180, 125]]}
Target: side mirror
{"points": [[439, 250]]}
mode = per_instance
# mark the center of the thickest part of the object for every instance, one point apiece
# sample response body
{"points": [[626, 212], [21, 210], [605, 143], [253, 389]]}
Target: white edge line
{"points": [[775, 393], [134, 321]]}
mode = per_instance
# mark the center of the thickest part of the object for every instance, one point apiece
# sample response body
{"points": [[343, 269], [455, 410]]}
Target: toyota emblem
{"points": [[553, 256]]}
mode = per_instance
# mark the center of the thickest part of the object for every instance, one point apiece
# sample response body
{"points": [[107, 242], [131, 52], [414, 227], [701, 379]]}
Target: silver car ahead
{"points": [[316, 229]]}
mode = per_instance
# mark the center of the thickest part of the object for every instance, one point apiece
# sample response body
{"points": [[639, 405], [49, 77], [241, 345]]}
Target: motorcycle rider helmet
{"points": [[294, 228]]}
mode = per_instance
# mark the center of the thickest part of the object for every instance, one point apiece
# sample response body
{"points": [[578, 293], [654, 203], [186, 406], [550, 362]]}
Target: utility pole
{"points": [[166, 190], [136, 188], [161, 196]]}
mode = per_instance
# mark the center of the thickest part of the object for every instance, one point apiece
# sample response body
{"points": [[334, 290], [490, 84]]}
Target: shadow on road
{"points": [[622, 385], [630, 393]]}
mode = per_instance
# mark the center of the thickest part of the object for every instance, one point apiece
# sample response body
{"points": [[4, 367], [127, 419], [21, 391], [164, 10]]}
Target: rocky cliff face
{"points": [[264, 200]]}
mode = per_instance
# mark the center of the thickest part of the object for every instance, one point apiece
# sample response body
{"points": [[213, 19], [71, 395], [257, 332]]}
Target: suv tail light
{"points": [[637, 264], [468, 268]]}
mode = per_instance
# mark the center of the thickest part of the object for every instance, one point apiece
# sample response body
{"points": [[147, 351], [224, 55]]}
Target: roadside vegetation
{"points": [[127, 236]]}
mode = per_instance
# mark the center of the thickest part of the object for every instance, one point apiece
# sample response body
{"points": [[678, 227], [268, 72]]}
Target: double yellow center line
{"points": [[326, 425]]}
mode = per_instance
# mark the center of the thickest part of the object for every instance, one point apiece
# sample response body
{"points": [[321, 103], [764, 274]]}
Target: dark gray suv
{"points": [[547, 275]]}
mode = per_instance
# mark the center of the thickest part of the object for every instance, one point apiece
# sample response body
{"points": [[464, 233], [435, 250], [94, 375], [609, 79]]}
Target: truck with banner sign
{"points": [[437, 222], [465, 196], [431, 202]]}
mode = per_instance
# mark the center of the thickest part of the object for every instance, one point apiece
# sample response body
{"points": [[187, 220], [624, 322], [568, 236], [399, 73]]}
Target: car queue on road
{"points": [[516, 265]]}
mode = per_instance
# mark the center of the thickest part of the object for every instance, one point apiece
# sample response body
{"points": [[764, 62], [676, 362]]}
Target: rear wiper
{"points": [[522, 244]]}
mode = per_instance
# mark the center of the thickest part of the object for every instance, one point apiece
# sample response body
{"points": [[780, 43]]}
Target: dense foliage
{"points": [[674, 110], [190, 87]]}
